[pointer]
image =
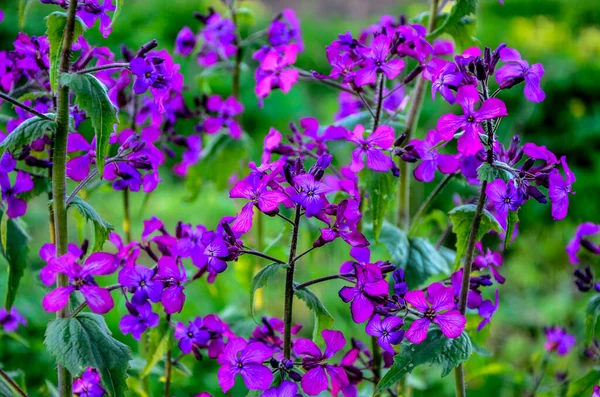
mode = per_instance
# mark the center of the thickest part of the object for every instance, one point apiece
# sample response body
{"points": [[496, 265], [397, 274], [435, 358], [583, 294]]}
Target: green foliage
{"points": [[366, 120], [488, 172], [513, 219], [92, 96], [584, 385], [260, 280], [381, 188], [85, 341], [463, 33], [27, 132], [56, 23], [591, 317], [101, 227], [462, 222], [323, 320], [436, 349], [159, 342], [41, 185], [117, 12], [15, 247], [461, 9], [23, 10]]}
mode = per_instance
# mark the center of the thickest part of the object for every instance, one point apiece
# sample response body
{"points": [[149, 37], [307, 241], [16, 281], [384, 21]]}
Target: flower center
{"points": [[430, 314], [507, 200], [190, 334], [470, 119], [142, 283]]}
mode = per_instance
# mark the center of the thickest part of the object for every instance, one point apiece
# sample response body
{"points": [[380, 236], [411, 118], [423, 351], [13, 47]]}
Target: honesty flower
{"points": [[173, 275], [346, 219], [88, 385], [138, 279], [431, 159], [139, 320], [559, 190], [246, 359], [505, 197], [275, 71], [446, 81], [9, 321], [486, 311], [285, 389], [517, 70], [369, 286], [387, 331], [310, 194], [226, 111], [585, 229], [190, 335], [376, 61], [372, 147], [16, 206], [558, 340], [185, 41]]}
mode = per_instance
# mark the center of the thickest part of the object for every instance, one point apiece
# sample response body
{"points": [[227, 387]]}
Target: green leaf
{"points": [[323, 320], [101, 227], [463, 33], [159, 342], [513, 219], [85, 341], [23, 11], [260, 280], [462, 221], [436, 349], [584, 385], [41, 185], [395, 241], [381, 188], [15, 241], [591, 317], [28, 131], [116, 13], [482, 351], [30, 96], [487, 172], [92, 96], [462, 8], [56, 23]]}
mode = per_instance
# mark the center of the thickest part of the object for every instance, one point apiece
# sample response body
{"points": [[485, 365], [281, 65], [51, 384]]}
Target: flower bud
{"points": [[495, 58], [197, 353], [400, 140], [295, 376], [413, 74], [146, 48]]}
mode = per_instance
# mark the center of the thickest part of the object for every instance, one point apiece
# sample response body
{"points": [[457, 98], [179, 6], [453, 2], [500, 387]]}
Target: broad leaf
{"points": [[101, 227], [56, 23], [488, 172], [85, 341], [462, 222], [436, 349], [41, 185], [92, 96], [591, 317], [323, 320], [28, 131], [513, 219], [462, 8], [584, 385], [381, 188], [159, 342], [15, 241], [463, 33], [261, 278]]}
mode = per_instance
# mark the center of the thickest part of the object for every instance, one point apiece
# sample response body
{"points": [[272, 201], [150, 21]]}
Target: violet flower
{"points": [[285, 389], [138, 279], [559, 190], [585, 229], [185, 41], [78, 168], [173, 275], [93, 10], [211, 258], [190, 335], [226, 112], [376, 61], [517, 70], [387, 331], [10, 320], [310, 194], [490, 260], [441, 311], [88, 385], [246, 359], [139, 320], [446, 81], [558, 340], [486, 311], [505, 197], [431, 159], [16, 206], [372, 147], [344, 226], [275, 71], [146, 75], [370, 285]]}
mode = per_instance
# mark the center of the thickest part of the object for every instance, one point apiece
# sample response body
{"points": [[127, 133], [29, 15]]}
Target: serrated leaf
{"points": [[85, 341], [462, 8], [15, 247], [159, 342], [462, 221], [28, 131], [260, 280], [55, 24], [41, 185], [584, 385], [513, 219], [395, 241], [101, 227], [323, 320], [591, 317], [381, 188], [92, 96], [436, 349], [487, 172]]}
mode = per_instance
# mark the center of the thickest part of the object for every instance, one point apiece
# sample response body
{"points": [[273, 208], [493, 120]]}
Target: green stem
{"points": [[121, 65], [379, 96], [429, 200], [168, 366], [12, 383], [31, 110], [376, 366], [325, 278], [65, 386], [126, 216], [289, 288], [540, 377]]}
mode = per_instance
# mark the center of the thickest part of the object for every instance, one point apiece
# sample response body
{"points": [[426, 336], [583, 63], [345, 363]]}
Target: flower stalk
{"points": [[289, 288]]}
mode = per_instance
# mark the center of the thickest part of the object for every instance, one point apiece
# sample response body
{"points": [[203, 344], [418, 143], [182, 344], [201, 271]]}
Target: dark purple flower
{"points": [[92, 10], [88, 385], [372, 147], [314, 381], [473, 296], [441, 311], [486, 311], [138, 279], [559, 190], [471, 119], [387, 331], [585, 229], [505, 197], [310, 194], [370, 285], [284, 29], [285, 389], [173, 275], [558, 340], [16, 207], [9, 321], [226, 112], [517, 70], [246, 359], [139, 320], [431, 159], [190, 335], [376, 61], [346, 220], [185, 41]]}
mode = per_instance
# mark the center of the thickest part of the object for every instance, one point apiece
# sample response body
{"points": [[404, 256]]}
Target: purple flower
{"points": [[559, 190], [473, 296], [376, 61], [80, 279], [441, 311], [191, 335], [240, 357], [505, 197], [185, 41], [285, 389], [139, 320], [489, 259], [214, 250], [320, 136], [146, 75], [138, 279], [387, 331], [596, 391], [173, 275], [431, 159], [585, 229], [89, 384], [275, 71], [381, 139], [226, 112], [517, 70], [9, 321], [16, 207], [189, 244], [346, 220], [92, 10], [284, 29], [79, 167], [486, 311], [446, 81], [558, 340], [470, 121], [370, 286], [314, 381], [310, 194]]}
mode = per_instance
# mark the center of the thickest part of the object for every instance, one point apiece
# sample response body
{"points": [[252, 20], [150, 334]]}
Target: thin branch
{"points": [[437, 190], [261, 255], [13, 101], [304, 253], [285, 218], [119, 65], [344, 276], [12, 383], [88, 178], [83, 304], [309, 77]]}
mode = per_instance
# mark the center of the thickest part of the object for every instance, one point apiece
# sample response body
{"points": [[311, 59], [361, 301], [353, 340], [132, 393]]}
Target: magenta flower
{"points": [[146, 75], [314, 381], [275, 71], [441, 311], [372, 147], [431, 159], [471, 119], [387, 331], [585, 229], [486, 311], [80, 279], [596, 391], [376, 61], [9, 321], [246, 359], [559, 190], [138, 279], [173, 275], [310, 194], [211, 258], [446, 81], [190, 335], [93, 10], [517, 70], [16, 207], [505, 197], [346, 220], [558, 340], [139, 320], [490, 260], [88, 385], [79, 167], [226, 112], [285, 389], [370, 285], [473, 296]]}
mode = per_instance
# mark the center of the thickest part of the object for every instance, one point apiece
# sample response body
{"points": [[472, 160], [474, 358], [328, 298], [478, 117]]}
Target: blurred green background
{"points": [[563, 35]]}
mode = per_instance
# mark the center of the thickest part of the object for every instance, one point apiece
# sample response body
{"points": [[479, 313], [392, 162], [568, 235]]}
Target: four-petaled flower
{"points": [[139, 281], [173, 275], [381, 139], [376, 61], [141, 318], [517, 70], [15, 206], [558, 340], [310, 194], [387, 331], [190, 335], [370, 285], [246, 359], [505, 196], [559, 190]]}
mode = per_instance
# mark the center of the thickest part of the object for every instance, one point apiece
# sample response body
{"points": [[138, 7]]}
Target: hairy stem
{"points": [[50, 210], [126, 216], [59, 185], [12, 383], [434, 193], [261, 255], [168, 366], [289, 288], [379, 96], [108, 66], [325, 278], [13, 101]]}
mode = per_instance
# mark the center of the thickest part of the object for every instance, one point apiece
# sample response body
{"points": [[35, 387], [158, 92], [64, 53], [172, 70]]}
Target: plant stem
{"points": [[50, 210], [260, 254], [12, 383], [289, 288], [309, 77], [168, 366], [379, 96], [540, 377], [235, 83], [13, 101], [434, 193], [59, 185], [119, 65], [376, 366], [322, 279], [304, 253], [126, 216]]}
